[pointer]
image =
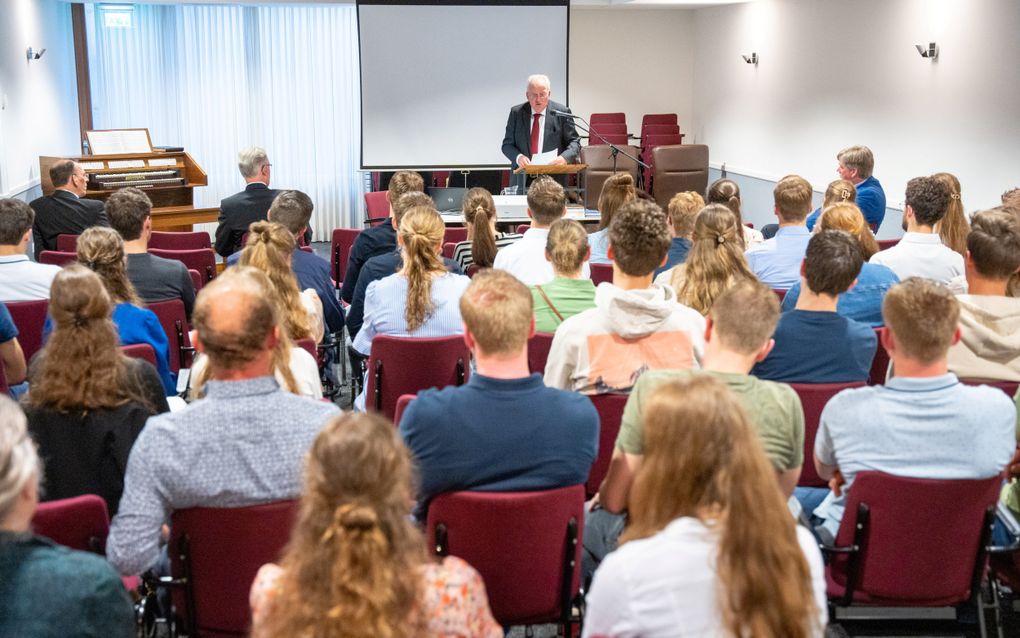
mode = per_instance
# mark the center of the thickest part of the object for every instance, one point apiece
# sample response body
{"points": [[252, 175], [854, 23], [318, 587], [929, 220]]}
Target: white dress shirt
{"points": [[921, 255], [25, 280], [525, 258]]}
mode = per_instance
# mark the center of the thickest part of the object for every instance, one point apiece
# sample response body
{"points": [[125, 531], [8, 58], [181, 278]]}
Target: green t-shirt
{"points": [[774, 409], [569, 296], [1011, 493]]}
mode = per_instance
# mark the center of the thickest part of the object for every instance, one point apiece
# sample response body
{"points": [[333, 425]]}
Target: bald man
{"points": [[65, 211], [241, 444]]}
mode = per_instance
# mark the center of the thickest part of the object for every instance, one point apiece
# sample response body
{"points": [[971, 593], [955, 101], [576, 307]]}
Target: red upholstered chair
{"points": [[601, 272], [217, 552], [57, 258], [607, 118], [1009, 387], [610, 409], [340, 250], [448, 248], [780, 293], [526, 546], [377, 207], [406, 365], [402, 403], [141, 351], [455, 234], [309, 346], [880, 364], [522, 228], [649, 143], [538, 351], [615, 133], [196, 279], [179, 240], [81, 523], [203, 259], [659, 129], [472, 270], [67, 243], [908, 542], [440, 178], [29, 317], [659, 118], [813, 397], [175, 324], [884, 244]]}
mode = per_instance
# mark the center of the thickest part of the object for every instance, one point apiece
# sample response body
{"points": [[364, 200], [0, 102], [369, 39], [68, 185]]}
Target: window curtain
{"points": [[217, 79]]}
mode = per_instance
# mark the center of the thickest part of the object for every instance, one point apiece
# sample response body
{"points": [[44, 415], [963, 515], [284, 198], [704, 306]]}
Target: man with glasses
{"points": [[65, 212], [533, 128]]}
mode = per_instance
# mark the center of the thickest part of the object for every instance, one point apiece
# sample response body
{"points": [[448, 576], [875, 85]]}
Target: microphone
{"points": [[565, 114]]}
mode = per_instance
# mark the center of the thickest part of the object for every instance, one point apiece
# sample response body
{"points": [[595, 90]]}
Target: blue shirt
{"points": [[861, 303], [500, 435], [678, 250], [776, 262], [373, 241], [818, 347], [599, 243], [8, 330], [871, 201]]}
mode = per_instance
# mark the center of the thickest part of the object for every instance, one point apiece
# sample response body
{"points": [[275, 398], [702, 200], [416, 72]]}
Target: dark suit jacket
{"points": [[560, 134], [237, 212], [63, 213]]}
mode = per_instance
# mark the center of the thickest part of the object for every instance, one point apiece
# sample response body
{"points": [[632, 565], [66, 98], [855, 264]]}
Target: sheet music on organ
{"points": [[119, 141]]}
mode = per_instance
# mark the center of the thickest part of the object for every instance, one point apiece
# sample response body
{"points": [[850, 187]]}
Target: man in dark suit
{"points": [[531, 128], [65, 211], [237, 212]]}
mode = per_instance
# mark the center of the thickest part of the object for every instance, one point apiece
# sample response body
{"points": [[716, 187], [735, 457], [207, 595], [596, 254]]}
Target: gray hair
{"points": [[19, 462], [540, 80], [251, 160]]}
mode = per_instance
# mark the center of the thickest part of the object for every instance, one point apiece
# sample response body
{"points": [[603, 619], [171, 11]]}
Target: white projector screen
{"points": [[438, 78]]}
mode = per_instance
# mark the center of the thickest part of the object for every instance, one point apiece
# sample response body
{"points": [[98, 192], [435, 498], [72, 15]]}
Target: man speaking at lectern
{"points": [[533, 128]]}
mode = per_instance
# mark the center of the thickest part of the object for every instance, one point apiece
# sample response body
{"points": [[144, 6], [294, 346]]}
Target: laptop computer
{"points": [[448, 199]]}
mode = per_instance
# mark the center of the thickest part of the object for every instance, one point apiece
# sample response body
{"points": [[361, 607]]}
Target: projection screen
{"points": [[438, 78]]}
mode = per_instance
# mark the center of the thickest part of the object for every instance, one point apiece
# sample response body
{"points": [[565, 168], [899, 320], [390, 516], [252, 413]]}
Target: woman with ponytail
{"points": [[356, 566], [710, 544], [618, 190], [953, 228], [483, 240], [570, 292], [715, 262], [102, 251], [87, 402], [839, 191], [726, 192]]}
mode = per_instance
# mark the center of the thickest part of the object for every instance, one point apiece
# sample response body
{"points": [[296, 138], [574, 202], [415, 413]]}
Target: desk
{"points": [[585, 216]]}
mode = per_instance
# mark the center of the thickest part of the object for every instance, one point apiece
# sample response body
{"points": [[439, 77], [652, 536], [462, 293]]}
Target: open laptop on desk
{"points": [[448, 199]]}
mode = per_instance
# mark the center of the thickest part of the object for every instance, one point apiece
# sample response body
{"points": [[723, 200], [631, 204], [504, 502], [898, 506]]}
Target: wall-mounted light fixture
{"points": [[752, 59], [931, 52], [34, 55]]}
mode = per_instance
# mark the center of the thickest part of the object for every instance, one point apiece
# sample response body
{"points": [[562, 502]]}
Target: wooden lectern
{"points": [[559, 169]]}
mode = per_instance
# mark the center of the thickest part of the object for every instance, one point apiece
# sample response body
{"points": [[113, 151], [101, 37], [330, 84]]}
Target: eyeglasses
{"points": [[543, 94]]}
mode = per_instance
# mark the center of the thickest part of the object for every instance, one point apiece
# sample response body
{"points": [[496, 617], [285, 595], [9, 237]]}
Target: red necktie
{"points": [[534, 134]]}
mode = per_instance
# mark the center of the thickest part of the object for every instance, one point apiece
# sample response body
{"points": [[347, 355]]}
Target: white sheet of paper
{"points": [[544, 159]]}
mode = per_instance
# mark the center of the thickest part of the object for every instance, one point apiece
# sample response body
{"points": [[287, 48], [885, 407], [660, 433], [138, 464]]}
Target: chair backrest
{"points": [[175, 324], [620, 139], [81, 522], [29, 317], [377, 205], [217, 552], [141, 351], [455, 234], [1009, 387], [406, 365], [340, 251], [402, 403], [309, 346], [196, 279], [67, 243], [781, 293], [659, 129], [883, 244], [678, 168], [610, 409], [440, 178], [522, 228], [659, 118], [880, 364], [813, 397], [448, 248], [472, 270], [607, 118], [599, 159], [201, 259], [181, 240], [652, 140], [601, 272], [610, 127], [538, 351], [57, 258], [526, 546], [921, 540]]}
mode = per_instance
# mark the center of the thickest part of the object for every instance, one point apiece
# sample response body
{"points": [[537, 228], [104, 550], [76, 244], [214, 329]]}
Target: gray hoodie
{"points": [[989, 346]]}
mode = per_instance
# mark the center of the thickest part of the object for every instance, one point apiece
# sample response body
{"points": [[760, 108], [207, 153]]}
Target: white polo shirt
{"points": [[25, 280], [921, 255], [525, 259]]}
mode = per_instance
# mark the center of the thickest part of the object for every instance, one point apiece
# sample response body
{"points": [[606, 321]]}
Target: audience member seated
{"points": [[355, 560], [923, 423], [388, 263], [241, 210], [242, 444], [726, 192], [856, 165], [569, 293], [46, 589], [635, 325], [65, 211], [618, 190], [814, 343], [11, 355], [683, 208], [953, 227], [839, 191], [504, 431], [380, 239], [738, 334], [776, 261], [863, 302], [525, 258], [421, 299], [20, 278], [715, 262], [102, 251], [87, 402], [920, 253], [483, 241], [154, 278], [1011, 203], [711, 545], [989, 345]]}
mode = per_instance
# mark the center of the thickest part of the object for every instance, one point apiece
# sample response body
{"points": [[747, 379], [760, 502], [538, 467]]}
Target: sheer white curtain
{"points": [[216, 79]]}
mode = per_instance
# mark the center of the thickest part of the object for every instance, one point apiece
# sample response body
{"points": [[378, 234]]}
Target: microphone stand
{"points": [[614, 150]]}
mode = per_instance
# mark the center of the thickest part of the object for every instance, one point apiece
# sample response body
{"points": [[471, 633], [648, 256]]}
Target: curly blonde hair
{"points": [[101, 250], [716, 259], [269, 249]]}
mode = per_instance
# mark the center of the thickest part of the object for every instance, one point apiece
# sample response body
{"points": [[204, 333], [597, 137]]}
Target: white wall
{"points": [[632, 60], [835, 73], [38, 99]]}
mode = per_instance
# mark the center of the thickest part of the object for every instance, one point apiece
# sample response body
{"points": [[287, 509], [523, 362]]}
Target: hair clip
{"points": [[844, 194], [955, 196], [720, 239]]}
